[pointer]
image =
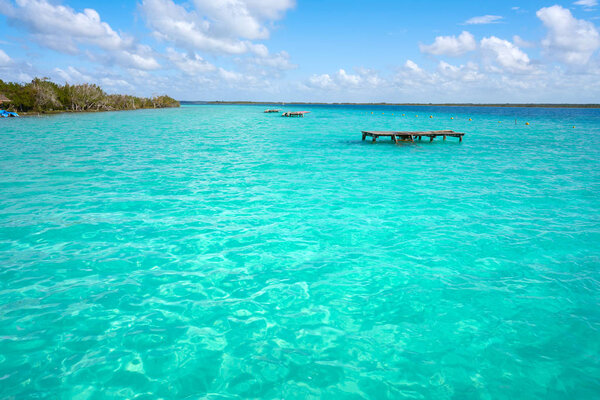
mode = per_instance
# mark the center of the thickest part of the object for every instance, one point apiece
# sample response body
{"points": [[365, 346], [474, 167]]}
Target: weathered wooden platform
{"points": [[294, 113], [272, 111], [410, 136]]}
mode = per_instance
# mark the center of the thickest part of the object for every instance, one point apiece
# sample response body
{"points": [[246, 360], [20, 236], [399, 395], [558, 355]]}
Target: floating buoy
{"points": [[526, 123], [417, 116], [573, 126], [499, 122], [371, 112], [431, 116], [403, 115], [451, 117], [470, 119]]}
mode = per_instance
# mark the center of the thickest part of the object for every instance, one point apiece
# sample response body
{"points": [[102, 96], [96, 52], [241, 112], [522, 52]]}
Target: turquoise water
{"points": [[218, 252]]}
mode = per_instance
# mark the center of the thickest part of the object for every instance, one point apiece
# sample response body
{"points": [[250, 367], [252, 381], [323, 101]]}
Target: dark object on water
{"points": [[7, 114], [411, 136], [272, 111], [294, 113]]}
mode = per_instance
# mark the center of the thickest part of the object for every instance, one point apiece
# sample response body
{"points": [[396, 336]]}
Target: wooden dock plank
{"points": [[411, 135]]}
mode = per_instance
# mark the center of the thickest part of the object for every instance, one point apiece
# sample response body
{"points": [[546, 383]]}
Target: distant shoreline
{"points": [[507, 105], [58, 112], [42, 96]]}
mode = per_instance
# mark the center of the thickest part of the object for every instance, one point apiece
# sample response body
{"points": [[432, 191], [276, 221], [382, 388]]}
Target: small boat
{"points": [[272, 111], [7, 114], [294, 113]]}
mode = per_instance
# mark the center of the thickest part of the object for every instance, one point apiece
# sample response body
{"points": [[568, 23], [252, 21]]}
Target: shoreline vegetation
{"points": [[42, 96], [519, 105]]}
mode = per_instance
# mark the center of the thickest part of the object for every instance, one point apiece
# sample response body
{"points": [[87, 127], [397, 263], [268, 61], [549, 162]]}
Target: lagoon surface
{"points": [[218, 252]]}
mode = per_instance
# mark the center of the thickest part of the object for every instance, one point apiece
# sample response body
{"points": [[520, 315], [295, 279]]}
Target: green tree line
{"points": [[42, 95]]}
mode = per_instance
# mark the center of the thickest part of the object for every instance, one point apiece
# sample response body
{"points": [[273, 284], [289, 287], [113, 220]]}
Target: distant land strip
{"points": [[522, 105]]}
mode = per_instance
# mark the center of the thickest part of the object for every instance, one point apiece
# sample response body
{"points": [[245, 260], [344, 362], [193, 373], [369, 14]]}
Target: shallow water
{"points": [[219, 252]]}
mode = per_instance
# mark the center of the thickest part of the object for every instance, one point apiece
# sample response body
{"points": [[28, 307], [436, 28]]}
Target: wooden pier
{"points": [[294, 113], [410, 135]]}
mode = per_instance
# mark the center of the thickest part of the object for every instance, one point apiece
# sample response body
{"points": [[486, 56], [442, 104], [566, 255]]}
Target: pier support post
{"points": [[431, 138], [374, 138], [364, 136]]}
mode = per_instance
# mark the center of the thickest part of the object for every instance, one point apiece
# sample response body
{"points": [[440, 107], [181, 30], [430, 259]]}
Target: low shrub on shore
{"points": [[42, 95]]}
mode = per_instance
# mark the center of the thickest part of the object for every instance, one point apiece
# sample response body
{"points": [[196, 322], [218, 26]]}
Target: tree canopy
{"points": [[42, 95]]}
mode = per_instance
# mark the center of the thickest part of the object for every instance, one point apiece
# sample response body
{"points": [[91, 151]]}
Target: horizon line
{"points": [[245, 102]]}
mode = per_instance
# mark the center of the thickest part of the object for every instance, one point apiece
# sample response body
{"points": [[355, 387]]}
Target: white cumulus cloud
{"points": [[73, 75], [61, 28], [172, 22], [506, 54], [279, 61], [4, 59], [569, 39], [243, 18], [219, 26], [190, 64], [116, 85], [467, 73], [322, 81], [412, 66], [451, 45], [347, 79], [363, 78]]}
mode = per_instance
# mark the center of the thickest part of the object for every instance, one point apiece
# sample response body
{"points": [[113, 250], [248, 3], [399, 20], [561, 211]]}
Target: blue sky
{"points": [[295, 50]]}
